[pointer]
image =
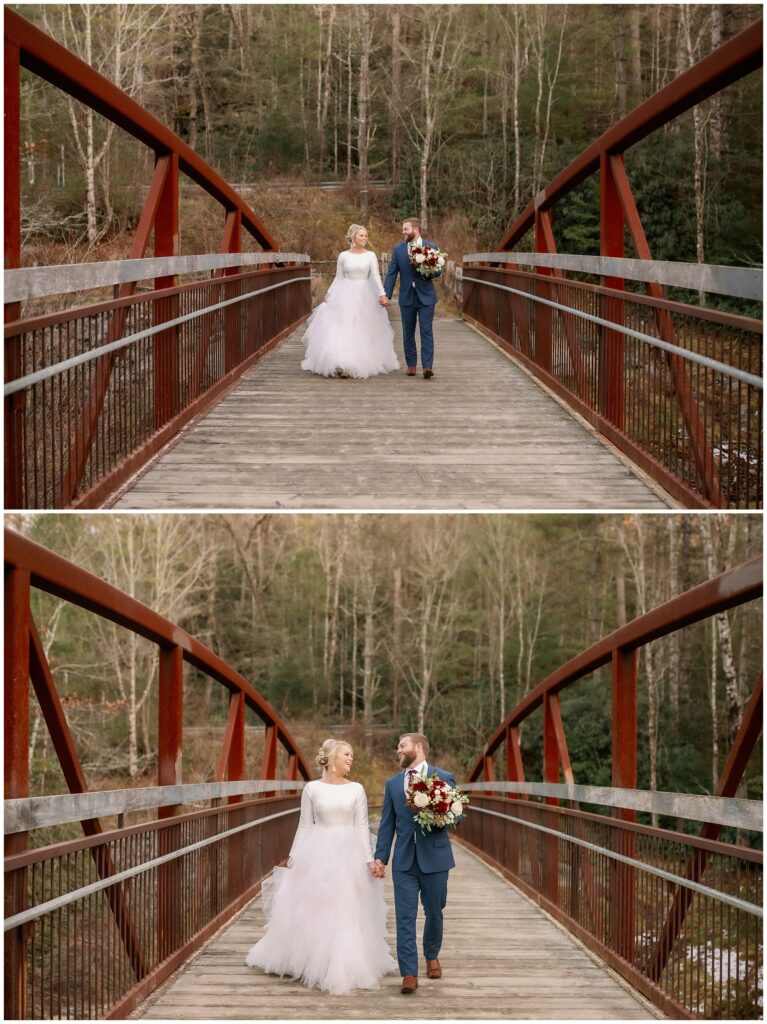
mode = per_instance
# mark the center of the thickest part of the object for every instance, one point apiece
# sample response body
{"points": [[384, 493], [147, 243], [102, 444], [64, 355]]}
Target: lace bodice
{"points": [[360, 267], [324, 805]]}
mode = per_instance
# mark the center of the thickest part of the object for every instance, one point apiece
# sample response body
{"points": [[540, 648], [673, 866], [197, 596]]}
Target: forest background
{"points": [[463, 112], [366, 626]]}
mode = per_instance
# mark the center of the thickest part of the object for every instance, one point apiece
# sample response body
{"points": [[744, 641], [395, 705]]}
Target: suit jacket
{"points": [[431, 850], [412, 287]]}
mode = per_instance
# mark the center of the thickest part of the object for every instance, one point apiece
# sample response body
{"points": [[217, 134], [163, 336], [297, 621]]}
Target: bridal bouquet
{"points": [[435, 803], [427, 260]]}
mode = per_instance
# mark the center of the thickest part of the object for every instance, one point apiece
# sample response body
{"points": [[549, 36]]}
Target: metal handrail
{"points": [[21, 383], [731, 811], [38, 282], [23, 815], [647, 339], [668, 876], [738, 282], [41, 909]]}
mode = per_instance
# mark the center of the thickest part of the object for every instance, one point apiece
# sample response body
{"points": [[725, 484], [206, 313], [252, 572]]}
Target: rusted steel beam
{"points": [[63, 744], [46, 58], [542, 316], [170, 706], [232, 314], [15, 405], [16, 774], [624, 776], [515, 770], [167, 396], [550, 246], [55, 575], [612, 344], [733, 60], [269, 759], [691, 415], [734, 587], [737, 761], [85, 433]]}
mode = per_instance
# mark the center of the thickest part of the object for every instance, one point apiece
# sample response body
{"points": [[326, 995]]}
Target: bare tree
{"points": [[116, 40]]}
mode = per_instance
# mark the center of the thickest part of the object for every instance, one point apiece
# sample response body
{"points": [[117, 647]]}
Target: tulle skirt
{"points": [[351, 332], [326, 917]]}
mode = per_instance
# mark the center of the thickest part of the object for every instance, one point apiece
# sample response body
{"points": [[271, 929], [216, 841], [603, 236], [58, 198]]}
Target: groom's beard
{"points": [[406, 761]]}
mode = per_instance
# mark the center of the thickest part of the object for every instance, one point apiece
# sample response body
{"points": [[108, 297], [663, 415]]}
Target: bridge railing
{"points": [[104, 386], [79, 421], [110, 916], [615, 884], [678, 915], [677, 387], [92, 924]]}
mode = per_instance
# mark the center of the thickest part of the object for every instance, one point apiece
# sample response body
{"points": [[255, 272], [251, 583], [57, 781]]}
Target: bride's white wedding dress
{"points": [[349, 330], [326, 916]]}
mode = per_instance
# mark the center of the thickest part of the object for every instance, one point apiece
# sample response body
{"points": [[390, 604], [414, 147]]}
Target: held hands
{"points": [[383, 301], [377, 869]]}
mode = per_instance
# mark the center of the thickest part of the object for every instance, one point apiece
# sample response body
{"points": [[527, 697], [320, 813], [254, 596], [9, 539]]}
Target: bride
{"points": [[349, 334], [326, 916]]}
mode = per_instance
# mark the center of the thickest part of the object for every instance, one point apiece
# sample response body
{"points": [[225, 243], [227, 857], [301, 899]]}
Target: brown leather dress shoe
{"points": [[409, 984], [411, 371], [428, 372], [433, 969]]}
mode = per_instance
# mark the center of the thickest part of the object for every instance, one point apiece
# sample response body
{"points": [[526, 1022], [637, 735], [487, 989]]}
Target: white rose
{"points": [[440, 261], [456, 808], [421, 800], [420, 258]]}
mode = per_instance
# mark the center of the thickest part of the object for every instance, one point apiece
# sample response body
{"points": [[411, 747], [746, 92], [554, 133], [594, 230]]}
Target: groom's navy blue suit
{"points": [[417, 299], [420, 865]]}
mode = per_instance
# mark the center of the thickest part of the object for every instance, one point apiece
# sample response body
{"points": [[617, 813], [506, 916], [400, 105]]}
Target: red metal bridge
{"points": [[93, 925], [95, 391]]}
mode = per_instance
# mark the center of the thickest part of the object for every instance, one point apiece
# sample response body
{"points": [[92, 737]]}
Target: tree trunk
{"points": [[620, 62], [396, 100], [362, 110], [396, 640], [715, 132], [368, 676]]}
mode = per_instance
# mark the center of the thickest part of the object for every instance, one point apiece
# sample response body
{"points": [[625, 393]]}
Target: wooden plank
{"points": [[503, 958], [480, 435]]}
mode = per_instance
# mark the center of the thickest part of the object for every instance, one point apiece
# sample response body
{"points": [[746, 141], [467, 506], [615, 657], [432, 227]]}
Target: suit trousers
{"points": [[425, 316], [432, 888]]}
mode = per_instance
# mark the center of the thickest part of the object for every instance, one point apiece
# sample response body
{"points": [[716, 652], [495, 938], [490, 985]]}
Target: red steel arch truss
{"points": [[642, 944], [153, 951]]}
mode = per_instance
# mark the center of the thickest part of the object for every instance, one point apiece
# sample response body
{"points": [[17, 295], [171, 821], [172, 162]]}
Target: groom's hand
{"points": [[378, 868], [383, 301]]}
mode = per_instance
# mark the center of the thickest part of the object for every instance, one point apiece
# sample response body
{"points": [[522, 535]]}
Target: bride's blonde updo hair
{"points": [[352, 231], [328, 752]]}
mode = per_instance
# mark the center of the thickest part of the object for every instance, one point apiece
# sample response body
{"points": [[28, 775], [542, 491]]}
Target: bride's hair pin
{"points": [[328, 753]]}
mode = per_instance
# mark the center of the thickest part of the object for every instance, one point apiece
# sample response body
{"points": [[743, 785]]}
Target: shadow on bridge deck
{"points": [[502, 958], [481, 435]]}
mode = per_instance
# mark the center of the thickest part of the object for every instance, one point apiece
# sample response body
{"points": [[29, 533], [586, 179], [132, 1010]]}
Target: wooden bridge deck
{"points": [[502, 958], [480, 435]]}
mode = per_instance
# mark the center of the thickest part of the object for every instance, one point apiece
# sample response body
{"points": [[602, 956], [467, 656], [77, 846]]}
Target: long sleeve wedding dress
{"points": [[349, 331], [326, 916]]}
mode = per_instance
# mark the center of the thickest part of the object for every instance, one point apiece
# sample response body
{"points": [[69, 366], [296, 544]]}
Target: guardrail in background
{"points": [[678, 915]]}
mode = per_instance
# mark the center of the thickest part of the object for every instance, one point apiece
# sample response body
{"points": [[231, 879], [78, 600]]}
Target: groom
{"points": [[421, 863], [417, 298]]}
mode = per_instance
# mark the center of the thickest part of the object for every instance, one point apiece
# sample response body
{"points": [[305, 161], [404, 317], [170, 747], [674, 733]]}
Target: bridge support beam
{"points": [[167, 397], [612, 344], [16, 775], [624, 776], [15, 404]]}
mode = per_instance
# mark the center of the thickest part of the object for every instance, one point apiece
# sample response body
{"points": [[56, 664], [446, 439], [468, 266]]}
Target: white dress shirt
{"points": [[419, 769]]}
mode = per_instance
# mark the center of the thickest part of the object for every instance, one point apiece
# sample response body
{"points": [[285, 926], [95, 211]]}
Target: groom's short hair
{"points": [[416, 224], [417, 737]]}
